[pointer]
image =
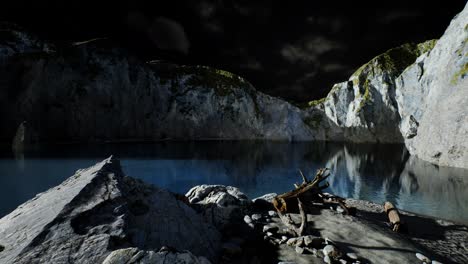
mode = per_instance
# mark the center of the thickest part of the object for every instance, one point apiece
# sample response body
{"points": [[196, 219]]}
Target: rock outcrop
{"points": [[364, 109], [97, 211], [220, 205], [432, 96]]}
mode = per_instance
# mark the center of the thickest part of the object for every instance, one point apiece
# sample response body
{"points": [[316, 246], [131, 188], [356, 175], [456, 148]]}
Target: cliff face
{"points": [[432, 98], [92, 93], [364, 108]]}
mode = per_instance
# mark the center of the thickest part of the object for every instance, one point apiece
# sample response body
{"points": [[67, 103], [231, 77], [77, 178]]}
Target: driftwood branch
{"points": [[393, 216], [288, 222]]}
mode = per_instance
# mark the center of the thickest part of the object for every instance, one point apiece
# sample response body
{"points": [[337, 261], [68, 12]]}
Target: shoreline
{"points": [[99, 215]]}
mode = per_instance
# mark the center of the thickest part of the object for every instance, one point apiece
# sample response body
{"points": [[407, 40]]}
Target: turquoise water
{"points": [[371, 172]]}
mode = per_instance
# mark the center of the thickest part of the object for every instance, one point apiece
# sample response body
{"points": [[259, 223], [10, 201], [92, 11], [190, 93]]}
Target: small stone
{"points": [[327, 259], [436, 262], [269, 234], [423, 258], [340, 210], [256, 217], [291, 241], [251, 225], [352, 256], [283, 239], [342, 261], [299, 250], [247, 219], [272, 213], [331, 251]]}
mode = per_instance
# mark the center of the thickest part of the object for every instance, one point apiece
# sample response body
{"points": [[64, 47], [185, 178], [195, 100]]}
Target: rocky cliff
{"points": [[432, 96], [92, 91]]}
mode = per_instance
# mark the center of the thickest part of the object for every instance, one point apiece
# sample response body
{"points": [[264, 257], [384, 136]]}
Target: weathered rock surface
{"points": [[220, 205], [96, 92], [432, 98], [364, 109], [97, 211]]}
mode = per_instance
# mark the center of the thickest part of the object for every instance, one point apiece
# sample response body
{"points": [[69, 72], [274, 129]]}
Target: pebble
{"points": [[256, 217], [299, 250], [330, 250], [435, 262], [272, 213], [352, 256], [269, 234], [283, 239], [247, 219], [295, 241], [327, 259], [423, 258], [342, 261], [340, 210]]}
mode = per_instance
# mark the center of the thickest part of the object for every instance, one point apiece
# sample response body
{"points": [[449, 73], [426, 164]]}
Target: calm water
{"points": [[370, 172]]}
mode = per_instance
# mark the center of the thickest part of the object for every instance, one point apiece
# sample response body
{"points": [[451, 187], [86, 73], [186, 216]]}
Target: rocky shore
{"points": [[99, 215]]}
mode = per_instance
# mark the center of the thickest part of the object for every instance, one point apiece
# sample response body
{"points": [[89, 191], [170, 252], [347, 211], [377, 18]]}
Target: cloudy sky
{"points": [[292, 49]]}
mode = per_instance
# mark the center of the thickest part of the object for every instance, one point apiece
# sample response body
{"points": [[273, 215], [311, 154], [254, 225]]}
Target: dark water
{"points": [[371, 172]]}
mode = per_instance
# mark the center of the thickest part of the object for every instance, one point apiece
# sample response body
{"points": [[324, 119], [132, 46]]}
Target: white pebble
{"points": [[352, 256]]}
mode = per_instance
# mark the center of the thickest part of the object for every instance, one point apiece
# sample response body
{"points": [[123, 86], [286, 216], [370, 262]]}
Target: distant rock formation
{"points": [[364, 109], [98, 212]]}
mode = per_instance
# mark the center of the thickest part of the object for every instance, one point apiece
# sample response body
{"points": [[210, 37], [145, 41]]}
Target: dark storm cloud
{"points": [[168, 34], [308, 49]]}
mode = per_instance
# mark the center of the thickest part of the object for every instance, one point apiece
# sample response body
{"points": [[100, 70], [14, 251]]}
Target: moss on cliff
{"points": [[460, 74], [395, 61], [200, 76]]}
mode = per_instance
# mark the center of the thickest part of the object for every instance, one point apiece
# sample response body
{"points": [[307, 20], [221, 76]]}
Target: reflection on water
{"points": [[371, 172]]}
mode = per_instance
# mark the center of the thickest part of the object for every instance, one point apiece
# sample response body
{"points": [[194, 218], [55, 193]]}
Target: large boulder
{"points": [[432, 98], [220, 205], [97, 211]]}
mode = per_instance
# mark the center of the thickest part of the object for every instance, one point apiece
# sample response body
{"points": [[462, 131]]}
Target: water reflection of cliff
{"points": [[371, 172]]}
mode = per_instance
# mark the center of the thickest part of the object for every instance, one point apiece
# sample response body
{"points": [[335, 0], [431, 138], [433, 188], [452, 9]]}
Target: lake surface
{"points": [[373, 172]]}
